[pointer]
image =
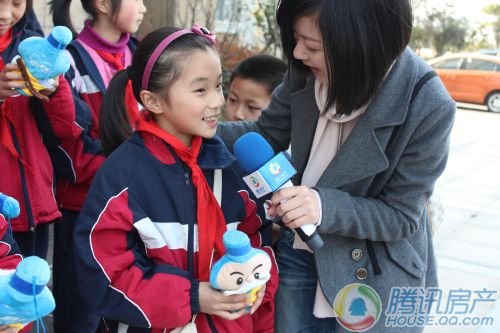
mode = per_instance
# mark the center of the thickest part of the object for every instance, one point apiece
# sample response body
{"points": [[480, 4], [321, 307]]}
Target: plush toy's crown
{"points": [[237, 245], [9, 207], [240, 258], [24, 296], [31, 276], [44, 57]]}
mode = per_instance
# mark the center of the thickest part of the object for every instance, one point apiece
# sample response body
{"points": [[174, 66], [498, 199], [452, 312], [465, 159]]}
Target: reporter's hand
{"points": [[10, 78], [297, 206], [214, 302]]}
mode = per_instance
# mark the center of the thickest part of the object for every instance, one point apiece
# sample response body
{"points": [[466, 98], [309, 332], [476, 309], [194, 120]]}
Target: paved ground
{"points": [[467, 243]]}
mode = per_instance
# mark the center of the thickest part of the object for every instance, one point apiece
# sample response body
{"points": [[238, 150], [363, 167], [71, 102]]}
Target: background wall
{"points": [[42, 10]]}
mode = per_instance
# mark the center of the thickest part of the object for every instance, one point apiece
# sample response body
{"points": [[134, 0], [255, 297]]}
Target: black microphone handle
{"points": [[314, 241]]}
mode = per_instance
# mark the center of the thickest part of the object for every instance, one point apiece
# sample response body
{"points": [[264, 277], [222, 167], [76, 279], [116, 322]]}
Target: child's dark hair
{"points": [[263, 69], [361, 40], [114, 123], [61, 11]]}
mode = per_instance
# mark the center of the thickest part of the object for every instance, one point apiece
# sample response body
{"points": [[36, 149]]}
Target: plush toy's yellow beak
{"points": [[34, 83]]}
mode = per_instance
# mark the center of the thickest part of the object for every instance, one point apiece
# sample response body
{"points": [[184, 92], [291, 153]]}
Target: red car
{"points": [[471, 78]]}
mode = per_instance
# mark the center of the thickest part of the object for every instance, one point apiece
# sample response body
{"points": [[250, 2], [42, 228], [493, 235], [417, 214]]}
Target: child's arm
{"points": [[56, 117], [78, 159]]}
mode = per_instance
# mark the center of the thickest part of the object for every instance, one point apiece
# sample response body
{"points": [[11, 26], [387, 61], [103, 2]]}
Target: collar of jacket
{"points": [[213, 155], [19, 27], [90, 67], [362, 155]]}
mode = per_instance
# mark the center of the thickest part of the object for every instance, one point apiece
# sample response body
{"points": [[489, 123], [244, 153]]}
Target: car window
{"points": [[480, 65], [448, 64], [490, 52]]}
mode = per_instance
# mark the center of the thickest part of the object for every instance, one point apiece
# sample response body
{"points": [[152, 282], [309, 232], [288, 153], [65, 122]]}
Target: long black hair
{"points": [[61, 11], [114, 123], [361, 40]]}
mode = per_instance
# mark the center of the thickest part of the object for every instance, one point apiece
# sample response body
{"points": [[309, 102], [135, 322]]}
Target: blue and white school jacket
{"points": [[136, 238]]}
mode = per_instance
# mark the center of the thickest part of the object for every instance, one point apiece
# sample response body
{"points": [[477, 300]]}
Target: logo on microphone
{"points": [[255, 181], [274, 168]]}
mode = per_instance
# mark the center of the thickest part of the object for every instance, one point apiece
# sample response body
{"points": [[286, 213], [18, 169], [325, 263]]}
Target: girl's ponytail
{"points": [[61, 14], [114, 123]]}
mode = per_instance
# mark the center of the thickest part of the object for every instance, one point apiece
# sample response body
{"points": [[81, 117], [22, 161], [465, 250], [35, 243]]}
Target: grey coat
{"points": [[374, 192]]}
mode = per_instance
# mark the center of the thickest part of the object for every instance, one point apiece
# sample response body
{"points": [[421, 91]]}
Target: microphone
{"points": [[9, 207], [268, 173]]}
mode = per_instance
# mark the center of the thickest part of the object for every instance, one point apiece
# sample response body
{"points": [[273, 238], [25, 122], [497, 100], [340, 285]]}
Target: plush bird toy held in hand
{"points": [[243, 269], [42, 60], [24, 296]]}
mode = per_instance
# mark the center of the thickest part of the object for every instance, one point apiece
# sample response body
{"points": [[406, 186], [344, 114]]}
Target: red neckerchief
{"points": [[211, 221], [5, 41], [116, 60]]}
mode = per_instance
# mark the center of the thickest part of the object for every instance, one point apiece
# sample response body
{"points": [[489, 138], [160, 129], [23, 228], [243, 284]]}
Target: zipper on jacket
{"points": [[211, 324], [189, 194], [106, 328], [61, 204], [24, 186]]}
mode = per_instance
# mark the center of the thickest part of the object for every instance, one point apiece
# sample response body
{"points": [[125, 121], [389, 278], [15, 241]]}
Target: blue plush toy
{"points": [[9, 207], [243, 269], [24, 296], [42, 60]]}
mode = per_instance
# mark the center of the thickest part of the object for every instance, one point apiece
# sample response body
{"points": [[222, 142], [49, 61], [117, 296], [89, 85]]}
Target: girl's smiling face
{"points": [[195, 99]]}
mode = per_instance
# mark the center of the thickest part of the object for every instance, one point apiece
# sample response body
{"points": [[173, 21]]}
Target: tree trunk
{"points": [[160, 13]]}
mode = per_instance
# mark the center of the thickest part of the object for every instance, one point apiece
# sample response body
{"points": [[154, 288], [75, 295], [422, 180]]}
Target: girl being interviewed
{"points": [[151, 225]]}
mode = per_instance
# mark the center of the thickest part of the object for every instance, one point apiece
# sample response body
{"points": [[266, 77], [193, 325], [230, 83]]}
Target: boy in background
{"points": [[251, 85]]}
